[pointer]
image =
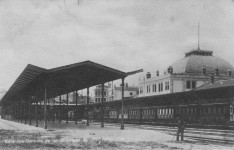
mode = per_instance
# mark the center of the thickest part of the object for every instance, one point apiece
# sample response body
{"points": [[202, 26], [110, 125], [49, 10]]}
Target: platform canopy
{"points": [[58, 81]]}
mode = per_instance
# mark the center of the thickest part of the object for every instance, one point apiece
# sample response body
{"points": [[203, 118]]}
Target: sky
{"points": [[123, 34]]}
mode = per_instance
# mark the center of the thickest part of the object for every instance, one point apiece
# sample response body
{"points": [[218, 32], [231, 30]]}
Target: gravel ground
{"points": [[16, 135]]}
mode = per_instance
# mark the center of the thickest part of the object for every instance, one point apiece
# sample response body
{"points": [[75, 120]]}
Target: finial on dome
{"points": [[198, 47], [199, 52]]}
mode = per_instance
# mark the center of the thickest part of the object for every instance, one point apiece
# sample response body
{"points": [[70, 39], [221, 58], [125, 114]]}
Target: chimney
{"points": [[157, 73], [229, 73], [203, 70], [212, 78], [148, 75], [216, 71], [170, 70]]}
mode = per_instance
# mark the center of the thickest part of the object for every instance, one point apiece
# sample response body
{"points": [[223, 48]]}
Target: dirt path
{"points": [[10, 125]]}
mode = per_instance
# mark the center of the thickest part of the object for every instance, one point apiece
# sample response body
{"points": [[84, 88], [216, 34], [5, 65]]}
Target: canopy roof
{"points": [[59, 81]]}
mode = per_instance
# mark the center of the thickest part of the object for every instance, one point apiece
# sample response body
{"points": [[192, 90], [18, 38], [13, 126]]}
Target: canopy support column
{"points": [[45, 109], [18, 114], [67, 108], [122, 113], [25, 116], [36, 113], [76, 113], [102, 121], [29, 111], [21, 112], [54, 117], [40, 112], [60, 114], [15, 114], [48, 110], [87, 107]]}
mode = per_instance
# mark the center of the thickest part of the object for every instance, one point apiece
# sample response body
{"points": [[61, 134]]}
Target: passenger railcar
{"points": [[149, 115], [194, 113], [165, 113], [113, 115]]}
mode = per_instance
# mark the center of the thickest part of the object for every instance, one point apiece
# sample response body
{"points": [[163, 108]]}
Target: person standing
{"points": [[181, 127]]}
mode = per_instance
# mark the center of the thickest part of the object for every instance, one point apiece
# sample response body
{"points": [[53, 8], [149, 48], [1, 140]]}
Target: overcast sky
{"points": [[123, 34]]}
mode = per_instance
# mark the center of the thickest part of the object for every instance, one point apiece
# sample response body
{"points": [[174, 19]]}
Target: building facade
{"points": [[98, 94], [112, 92], [197, 68]]}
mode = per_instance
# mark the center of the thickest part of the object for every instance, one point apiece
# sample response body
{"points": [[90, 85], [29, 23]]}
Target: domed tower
{"points": [[197, 68], [200, 62]]}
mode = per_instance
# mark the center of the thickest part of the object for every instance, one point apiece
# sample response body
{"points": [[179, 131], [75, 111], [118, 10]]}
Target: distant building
{"points": [[81, 99], [197, 68], [112, 93], [98, 93]]}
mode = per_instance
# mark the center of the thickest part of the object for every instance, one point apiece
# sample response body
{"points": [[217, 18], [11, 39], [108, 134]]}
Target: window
{"points": [[161, 86], [193, 84], [148, 88], [96, 100], [188, 85], [154, 87], [141, 89], [167, 85], [96, 93]]}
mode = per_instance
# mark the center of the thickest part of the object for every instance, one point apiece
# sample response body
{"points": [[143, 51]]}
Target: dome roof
{"points": [[196, 59]]}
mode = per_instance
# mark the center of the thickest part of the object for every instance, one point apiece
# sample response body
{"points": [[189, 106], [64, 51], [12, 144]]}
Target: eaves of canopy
{"points": [[61, 80]]}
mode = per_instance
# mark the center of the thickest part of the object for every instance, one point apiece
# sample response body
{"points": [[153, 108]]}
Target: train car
{"points": [[189, 113], [165, 113], [106, 115], [215, 113], [125, 115], [71, 115], [134, 115], [96, 115], [205, 114], [113, 115], [149, 115], [91, 118], [232, 113]]}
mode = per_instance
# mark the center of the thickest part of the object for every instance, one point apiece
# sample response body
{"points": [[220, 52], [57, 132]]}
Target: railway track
{"points": [[201, 135]]}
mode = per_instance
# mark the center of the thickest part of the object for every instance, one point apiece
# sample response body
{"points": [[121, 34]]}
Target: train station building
{"points": [[197, 68], [198, 88]]}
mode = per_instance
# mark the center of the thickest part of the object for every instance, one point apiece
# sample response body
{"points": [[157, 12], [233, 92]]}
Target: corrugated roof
{"points": [[29, 74], [60, 80]]}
